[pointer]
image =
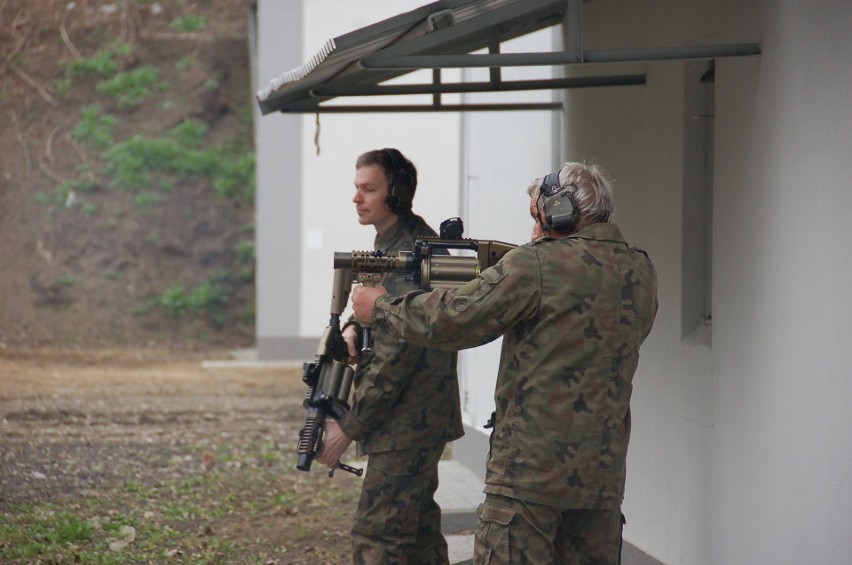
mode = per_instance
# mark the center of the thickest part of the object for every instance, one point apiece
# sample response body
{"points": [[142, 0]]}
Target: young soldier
{"points": [[406, 401]]}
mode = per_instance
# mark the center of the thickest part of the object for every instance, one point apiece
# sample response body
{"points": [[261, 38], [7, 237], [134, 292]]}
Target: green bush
{"points": [[235, 177], [189, 133], [131, 163], [245, 251], [130, 88], [174, 300], [127, 165], [94, 128], [208, 297], [103, 63]]}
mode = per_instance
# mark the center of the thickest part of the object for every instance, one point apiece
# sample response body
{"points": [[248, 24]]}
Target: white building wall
{"points": [[305, 172], [784, 451], [741, 451], [503, 153]]}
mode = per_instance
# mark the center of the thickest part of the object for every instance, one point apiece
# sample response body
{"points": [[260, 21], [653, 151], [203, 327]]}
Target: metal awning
{"points": [[443, 35]]}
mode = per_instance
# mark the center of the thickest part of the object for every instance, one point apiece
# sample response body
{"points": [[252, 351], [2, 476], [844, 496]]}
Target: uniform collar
{"points": [[400, 228], [601, 232], [597, 232]]}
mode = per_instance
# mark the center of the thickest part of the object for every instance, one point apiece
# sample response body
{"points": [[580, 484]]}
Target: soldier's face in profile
{"points": [[371, 191]]}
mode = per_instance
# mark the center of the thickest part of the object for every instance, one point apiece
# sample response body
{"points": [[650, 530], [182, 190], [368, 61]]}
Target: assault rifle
{"points": [[429, 265]]}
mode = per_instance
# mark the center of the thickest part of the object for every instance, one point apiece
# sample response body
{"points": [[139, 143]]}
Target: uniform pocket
{"points": [[491, 546]]}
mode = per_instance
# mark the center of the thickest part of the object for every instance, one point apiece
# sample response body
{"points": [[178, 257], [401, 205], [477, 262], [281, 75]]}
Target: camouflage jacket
{"points": [[405, 395], [573, 313]]}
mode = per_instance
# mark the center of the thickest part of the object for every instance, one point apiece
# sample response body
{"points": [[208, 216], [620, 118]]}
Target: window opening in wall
{"points": [[699, 109]]}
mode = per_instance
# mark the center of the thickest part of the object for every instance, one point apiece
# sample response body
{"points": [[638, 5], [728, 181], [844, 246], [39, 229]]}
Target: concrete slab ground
{"points": [[460, 492]]}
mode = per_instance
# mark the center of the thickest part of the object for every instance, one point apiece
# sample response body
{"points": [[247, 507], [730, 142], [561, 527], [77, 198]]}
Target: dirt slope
{"points": [[126, 174]]}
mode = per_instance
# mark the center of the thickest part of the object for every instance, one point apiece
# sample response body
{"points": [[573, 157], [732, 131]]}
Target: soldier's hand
{"points": [[334, 443], [364, 299], [350, 337]]}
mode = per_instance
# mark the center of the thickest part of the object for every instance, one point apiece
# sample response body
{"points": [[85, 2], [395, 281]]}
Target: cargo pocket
{"points": [[492, 545], [391, 464]]}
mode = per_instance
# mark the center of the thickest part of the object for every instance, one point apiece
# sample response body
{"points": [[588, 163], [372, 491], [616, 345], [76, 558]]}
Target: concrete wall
{"points": [[278, 224], [741, 452]]}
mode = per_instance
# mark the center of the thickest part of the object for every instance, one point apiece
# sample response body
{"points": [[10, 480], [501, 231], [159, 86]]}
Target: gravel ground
{"points": [[143, 456]]}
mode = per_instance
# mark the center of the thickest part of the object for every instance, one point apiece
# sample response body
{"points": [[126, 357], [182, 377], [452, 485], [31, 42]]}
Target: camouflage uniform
{"points": [[573, 313], [405, 409]]}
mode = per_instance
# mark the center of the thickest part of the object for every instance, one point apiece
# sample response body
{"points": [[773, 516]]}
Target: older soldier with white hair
{"points": [[573, 306]]}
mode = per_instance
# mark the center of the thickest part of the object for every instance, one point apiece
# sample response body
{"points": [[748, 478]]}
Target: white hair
{"points": [[593, 192]]}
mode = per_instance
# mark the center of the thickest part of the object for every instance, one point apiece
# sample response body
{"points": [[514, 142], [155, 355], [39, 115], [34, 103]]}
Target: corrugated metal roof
{"points": [[476, 25]]}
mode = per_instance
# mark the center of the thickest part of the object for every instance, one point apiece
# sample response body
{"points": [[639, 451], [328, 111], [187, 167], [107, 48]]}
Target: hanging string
{"points": [[317, 135]]}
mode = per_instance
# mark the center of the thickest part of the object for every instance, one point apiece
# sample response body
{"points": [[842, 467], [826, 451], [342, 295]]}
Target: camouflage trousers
{"points": [[398, 520], [515, 532]]}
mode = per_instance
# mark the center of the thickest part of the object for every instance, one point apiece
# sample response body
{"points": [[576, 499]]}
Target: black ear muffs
{"points": [[558, 205], [400, 187]]}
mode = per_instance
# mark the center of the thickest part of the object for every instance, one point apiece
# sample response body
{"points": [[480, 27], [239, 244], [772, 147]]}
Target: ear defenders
{"points": [[400, 186], [559, 206]]}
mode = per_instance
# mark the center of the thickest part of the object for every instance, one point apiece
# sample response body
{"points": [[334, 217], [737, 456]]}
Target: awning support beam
{"points": [[391, 109], [468, 87], [384, 62]]}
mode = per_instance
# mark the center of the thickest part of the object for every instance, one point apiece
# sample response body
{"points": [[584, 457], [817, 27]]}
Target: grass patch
{"points": [[182, 516], [147, 200], [94, 128], [62, 87], [246, 258], [189, 133], [207, 298], [131, 88], [189, 24], [62, 197], [33, 532], [133, 164], [104, 63], [185, 62], [245, 251]]}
